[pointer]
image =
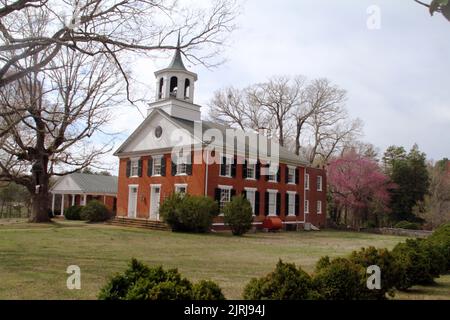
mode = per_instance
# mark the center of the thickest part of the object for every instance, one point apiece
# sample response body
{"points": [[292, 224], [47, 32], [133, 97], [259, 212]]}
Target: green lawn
{"points": [[34, 258]]}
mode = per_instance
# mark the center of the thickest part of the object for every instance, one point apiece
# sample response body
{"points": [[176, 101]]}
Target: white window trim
{"points": [[306, 207], [254, 170], [289, 194], [254, 198], [295, 173], [221, 186], [319, 211], [134, 160], [137, 198], [272, 192], [159, 157], [321, 183], [181, 185], [228, 162], [224, 187], [184, 161], [307, 180]]}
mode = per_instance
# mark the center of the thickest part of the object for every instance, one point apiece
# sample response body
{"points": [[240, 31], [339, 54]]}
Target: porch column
{"points": [[104, 199], [62, 204], [73, 200], [84, 199], [53, 203]]}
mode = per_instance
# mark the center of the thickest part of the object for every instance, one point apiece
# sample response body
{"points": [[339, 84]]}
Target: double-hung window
{"points": [[306, 181], [134, 168], [319, 207], [157, 164], [319, 183], [251, 171], [225, 170], [291, 175], [182, 166], [306, 206], [272, 204], [225, 197], [251, 197], [291, 204]]}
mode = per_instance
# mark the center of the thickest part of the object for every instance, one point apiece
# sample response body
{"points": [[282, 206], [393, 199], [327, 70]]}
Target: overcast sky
{"points": [[397, 77]]}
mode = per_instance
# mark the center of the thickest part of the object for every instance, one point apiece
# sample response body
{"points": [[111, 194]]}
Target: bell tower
{"points": [[175, 89]]}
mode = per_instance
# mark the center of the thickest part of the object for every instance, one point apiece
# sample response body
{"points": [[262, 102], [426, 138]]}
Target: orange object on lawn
{"points": [[272, 223]]}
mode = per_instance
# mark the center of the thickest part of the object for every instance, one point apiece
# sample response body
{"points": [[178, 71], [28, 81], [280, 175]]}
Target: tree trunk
{"points": [[39, 198]]}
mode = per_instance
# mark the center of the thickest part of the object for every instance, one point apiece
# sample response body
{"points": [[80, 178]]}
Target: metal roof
{"points": [[89, 183]]}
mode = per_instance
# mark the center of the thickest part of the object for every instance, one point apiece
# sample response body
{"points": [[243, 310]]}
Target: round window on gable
{"points": [[158, 132]]}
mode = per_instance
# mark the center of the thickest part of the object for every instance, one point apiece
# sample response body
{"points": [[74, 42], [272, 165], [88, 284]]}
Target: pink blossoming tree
{"points": [[359, 187]]}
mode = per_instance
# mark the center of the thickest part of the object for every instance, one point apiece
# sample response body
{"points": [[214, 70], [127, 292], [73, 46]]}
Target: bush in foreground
{"points": [[390, 270], [140, 282], [340, 279], [95, 211], [238, 215], [188, 213], [207, 290], [286, 282], [415, 262], [440, 239], [73, 213]]}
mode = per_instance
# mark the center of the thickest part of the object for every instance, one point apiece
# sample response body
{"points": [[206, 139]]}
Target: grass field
{"points": [[34, 258]]}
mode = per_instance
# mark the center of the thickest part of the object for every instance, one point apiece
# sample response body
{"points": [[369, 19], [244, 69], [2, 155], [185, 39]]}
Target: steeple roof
{"points": [[177, 61]]}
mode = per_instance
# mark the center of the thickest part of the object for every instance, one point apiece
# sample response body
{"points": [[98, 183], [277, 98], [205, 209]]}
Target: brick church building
{"points": [[294, 194]]}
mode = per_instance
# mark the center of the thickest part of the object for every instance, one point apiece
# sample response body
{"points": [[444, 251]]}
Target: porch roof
{"points": [[81, 183]]}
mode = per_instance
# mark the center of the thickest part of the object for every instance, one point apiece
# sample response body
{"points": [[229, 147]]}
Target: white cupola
{"points": [[175, 90]]}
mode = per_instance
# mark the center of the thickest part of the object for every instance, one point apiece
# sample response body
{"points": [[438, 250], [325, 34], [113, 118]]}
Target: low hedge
{"points": [[95, 211], [140, 282], [188, 213], [73, 213]]}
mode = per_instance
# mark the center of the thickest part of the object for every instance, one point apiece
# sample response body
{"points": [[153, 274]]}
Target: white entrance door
{"points": [[155, 197], [132, 201]]}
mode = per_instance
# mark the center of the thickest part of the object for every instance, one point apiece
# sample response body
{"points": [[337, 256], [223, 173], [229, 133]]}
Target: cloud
{"points": [[396, 77]]}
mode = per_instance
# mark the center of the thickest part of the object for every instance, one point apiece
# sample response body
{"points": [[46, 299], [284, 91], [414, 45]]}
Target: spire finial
{"points": [[177, 61]]}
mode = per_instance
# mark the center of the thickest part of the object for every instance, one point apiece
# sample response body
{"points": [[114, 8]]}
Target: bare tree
{"points": [[308, 117], [48, 121], [278, 97], [110, 27]]}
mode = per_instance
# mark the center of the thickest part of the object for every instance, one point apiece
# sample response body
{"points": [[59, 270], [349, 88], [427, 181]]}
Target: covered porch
{"points": [[78, 189]]}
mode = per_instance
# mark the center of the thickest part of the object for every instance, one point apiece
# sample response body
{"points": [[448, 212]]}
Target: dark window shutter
{"points": [[233, 168], [258, 170], [297, 205], [189, 166], [163, 166], [286, 204], [244, 194], [266, 204], [217, 195], [128, 168], [297, 176], [174, 168], [222, 166], [233, 193], [140, 168], [150, 167], [278, 203], [244, 169], [257, 201], [286, 176], [279, 174]]}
